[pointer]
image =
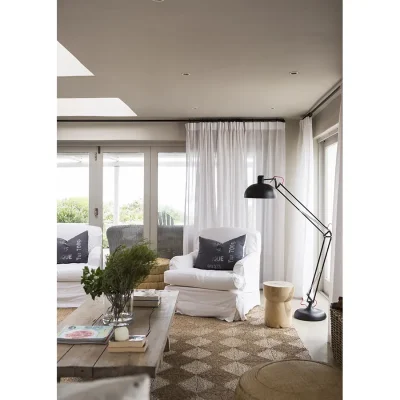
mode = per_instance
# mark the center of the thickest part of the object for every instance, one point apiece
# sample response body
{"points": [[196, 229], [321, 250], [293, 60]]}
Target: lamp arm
{"points": [[324, 230]]}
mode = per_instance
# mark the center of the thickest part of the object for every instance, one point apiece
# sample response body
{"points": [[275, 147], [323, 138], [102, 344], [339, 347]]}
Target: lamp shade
{"points": [[260, 190]]}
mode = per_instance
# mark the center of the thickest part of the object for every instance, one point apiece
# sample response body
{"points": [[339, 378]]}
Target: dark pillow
{"points": [[75, 250], [220, 256]]}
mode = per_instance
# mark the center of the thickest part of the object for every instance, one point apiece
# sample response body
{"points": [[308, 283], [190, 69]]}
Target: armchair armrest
{"points": [[249, 268], [94, 258], [183, 262]]}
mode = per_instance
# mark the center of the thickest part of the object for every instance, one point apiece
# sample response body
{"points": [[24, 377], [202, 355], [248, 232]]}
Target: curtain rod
{"points": [[311, 112], [178, 120]]}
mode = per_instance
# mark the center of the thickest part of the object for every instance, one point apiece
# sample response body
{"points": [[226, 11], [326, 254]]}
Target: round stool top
{"points": [[278, 284], [291, 380]]}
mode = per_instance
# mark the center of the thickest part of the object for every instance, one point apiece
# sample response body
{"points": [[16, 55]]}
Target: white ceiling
{"points": [[238, 52]]}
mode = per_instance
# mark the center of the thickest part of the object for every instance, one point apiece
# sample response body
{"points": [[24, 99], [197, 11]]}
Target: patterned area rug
{"points": [[208, 356]]}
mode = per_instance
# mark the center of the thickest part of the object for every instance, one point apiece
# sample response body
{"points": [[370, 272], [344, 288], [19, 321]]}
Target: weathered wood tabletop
{"points": [[95, 361]]}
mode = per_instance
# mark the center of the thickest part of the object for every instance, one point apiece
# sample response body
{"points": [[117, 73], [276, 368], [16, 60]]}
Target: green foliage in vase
{"points": [[126, 268]]}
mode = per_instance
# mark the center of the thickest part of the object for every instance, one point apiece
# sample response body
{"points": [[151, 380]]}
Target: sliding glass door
{"points": [[123, 192], [78, 185], [139, 192], [171, 179]]}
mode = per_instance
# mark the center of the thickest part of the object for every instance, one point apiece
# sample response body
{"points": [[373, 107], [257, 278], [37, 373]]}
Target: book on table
{"points": [[146, 294], [133, 341], [128, 349], [146, 303], [80, 334]]}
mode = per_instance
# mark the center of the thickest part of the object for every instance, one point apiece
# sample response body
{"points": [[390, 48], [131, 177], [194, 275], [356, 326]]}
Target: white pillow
{"points": [[125, 388]]}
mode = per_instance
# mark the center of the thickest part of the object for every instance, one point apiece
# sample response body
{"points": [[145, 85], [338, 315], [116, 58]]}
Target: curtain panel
{"points": [[300, 253], [223, 159]]}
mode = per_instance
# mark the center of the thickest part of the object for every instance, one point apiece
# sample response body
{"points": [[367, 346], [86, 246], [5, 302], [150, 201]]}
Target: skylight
{"points": [[69, 65], [93, 107]]}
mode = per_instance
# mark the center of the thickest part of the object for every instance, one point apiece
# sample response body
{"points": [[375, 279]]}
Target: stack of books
{"points": [[135, 344], [78, 334], [146, 298]]}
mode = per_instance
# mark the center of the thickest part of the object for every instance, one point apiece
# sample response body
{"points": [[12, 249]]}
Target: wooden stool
{"points": [[290, 380], [278, 309]]}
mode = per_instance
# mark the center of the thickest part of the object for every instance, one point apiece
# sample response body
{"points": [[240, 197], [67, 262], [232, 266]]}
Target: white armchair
{"points": [[70, 292], [227, 295]]}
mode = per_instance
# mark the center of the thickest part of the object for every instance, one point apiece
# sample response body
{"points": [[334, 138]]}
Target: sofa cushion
{"points": [[214, 255], [70, 272], [205, 279], [73, 250]]}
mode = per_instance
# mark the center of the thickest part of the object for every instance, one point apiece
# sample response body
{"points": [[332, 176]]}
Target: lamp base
{"points": [[309, 314]]}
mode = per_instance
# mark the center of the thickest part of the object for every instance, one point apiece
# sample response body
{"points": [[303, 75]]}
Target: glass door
{"points": [[125, 196], [72, 182], [168, 200], [133, 193]]}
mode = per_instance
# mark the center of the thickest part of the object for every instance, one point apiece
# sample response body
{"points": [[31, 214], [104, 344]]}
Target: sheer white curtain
{"points": [[300, 252], [223, 158], [337, 221]]}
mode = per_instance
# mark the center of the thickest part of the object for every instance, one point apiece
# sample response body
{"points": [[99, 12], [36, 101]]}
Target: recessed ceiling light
{"points": [[158, 1], [294, 72], [272, 108], [194, 108], [185, 73]]}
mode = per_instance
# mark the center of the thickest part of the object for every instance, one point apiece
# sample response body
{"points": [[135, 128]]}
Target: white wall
{"points": [[328, 117]]}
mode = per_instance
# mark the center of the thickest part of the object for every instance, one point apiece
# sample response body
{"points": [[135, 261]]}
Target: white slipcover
{"points": [[70, 292], [227, 295]]}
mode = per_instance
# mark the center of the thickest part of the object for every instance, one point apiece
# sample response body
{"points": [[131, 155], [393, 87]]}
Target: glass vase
{"points": [[118, 309]]}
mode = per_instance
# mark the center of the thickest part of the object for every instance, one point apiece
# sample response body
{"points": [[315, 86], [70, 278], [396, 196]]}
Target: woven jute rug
{"points": [[208, 356]]}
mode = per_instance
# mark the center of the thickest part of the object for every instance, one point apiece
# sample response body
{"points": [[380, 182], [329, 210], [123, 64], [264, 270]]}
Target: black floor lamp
{"points": [[261, 190]]}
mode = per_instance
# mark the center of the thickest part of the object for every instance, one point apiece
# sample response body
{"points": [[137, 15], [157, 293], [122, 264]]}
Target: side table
{"points": [[278, 308]]}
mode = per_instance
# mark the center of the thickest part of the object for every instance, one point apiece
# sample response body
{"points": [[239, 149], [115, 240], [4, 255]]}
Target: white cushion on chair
{"points": [[205, 279]]}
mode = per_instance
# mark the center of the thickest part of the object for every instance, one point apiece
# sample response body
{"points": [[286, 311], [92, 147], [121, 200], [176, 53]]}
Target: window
{"points": [[327, 167], [171, 203], [142, 187], [73, 187], [123, 191]]}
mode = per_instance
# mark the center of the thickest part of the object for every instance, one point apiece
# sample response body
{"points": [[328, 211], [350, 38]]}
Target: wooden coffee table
{"points": [[94, 361]]}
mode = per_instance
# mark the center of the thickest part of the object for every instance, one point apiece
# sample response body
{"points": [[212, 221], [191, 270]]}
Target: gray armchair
{"points": [[127, 235], [169, 238]]}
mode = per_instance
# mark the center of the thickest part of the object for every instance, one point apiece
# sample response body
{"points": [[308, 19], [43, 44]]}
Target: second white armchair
{"points": [[227, 295]]}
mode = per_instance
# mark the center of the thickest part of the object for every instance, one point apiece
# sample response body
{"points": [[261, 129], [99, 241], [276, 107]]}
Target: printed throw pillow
{"points": [[74, 250], [218, 256]]}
